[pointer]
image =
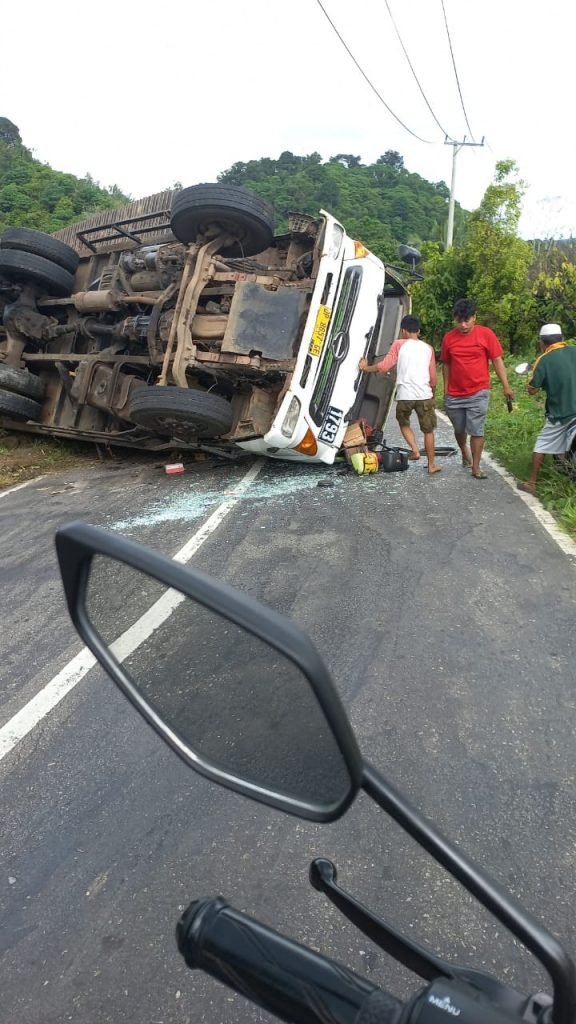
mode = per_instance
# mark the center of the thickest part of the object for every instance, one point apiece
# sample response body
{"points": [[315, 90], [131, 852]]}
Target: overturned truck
{"points": [[181, 320]]}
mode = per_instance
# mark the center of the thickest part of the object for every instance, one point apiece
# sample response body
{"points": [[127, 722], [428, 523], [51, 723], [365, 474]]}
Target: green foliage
{"points": [[556, 297], [392, 158], [35, 196], [500, 261], [381, 204], [446, 278], [492, 266], [9, 133], [510, 437]]}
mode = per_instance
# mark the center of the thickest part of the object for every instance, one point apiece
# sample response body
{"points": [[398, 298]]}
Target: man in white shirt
{"points": [[415, 386]]}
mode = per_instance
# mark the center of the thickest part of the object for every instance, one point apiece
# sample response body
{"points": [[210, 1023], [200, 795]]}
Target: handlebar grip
{"points": [[294, 983]]}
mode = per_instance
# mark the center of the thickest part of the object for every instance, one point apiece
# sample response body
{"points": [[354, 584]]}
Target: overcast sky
{"points": [[145, 94]]}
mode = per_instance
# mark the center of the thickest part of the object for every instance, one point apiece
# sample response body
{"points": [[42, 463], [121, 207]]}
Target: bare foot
{"points": [[434, 469], [414, 456], [527, 486]]}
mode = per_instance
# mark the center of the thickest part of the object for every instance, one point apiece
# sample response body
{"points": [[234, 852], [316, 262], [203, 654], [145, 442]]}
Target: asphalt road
{"points": [[446, 615]]}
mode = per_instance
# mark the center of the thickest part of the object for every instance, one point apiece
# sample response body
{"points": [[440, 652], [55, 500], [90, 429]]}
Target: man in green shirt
{"points": [[555, 373]]}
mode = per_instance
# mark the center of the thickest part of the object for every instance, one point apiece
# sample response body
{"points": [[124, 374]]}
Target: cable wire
{"points": [[365, 76], [455, 71], [425, 98]]}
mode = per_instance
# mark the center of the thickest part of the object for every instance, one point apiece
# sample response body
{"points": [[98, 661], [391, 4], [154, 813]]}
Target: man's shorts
{"points": [[555, 438], [467, 413], [425, 409]]}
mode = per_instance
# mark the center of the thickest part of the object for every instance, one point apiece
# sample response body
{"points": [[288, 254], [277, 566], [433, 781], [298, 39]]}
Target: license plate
{"points": [[319, 332], [331, 425]]}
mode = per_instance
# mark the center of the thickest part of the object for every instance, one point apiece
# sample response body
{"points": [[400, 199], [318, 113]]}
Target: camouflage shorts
{"points": [[425, 409]]}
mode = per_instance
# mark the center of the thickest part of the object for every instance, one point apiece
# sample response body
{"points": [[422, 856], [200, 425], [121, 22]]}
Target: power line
{"points": [[455, 71], [365, 76], [425, 98]]}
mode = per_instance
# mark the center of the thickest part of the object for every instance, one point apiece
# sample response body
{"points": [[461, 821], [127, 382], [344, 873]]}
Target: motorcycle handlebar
{"points": [[303, 987], [294, 983]]}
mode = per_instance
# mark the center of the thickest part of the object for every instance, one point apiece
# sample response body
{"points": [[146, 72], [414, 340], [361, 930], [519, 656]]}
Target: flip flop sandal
{"points": [[479, 476], [522, 486]]}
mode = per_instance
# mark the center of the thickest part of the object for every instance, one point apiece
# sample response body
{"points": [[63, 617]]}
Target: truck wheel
{"points": [[16, 407], [27, 267], [40, 244], [22, 382], [183, 413], [246, 216]]}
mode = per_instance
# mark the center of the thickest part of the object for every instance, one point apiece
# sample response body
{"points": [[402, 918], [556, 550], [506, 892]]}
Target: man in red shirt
{"points": [[466, 353]]}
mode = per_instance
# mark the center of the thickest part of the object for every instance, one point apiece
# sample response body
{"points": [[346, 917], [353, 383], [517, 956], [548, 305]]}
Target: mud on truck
{"points": [[182, 321]]}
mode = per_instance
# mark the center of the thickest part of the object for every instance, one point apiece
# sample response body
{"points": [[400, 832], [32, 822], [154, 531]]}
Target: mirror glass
{"points": [[409, 254], [233, 700]]}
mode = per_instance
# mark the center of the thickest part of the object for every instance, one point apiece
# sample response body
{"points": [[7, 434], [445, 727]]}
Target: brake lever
{"points": [[417, 958], [323, 877]]}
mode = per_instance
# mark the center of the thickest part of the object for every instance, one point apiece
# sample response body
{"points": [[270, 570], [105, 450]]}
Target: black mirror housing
{"points": [[78, 543]]}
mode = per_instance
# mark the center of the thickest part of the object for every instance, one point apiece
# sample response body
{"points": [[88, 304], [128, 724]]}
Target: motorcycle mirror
{"points": [[522, 368], [236, 689]]}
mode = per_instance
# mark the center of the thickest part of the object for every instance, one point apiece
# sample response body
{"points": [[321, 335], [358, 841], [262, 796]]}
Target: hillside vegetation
{"points": [[382, 204], [34, 195]]}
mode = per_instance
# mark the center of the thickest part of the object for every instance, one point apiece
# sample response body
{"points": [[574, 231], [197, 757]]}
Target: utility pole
{"points": [[456, 147]]}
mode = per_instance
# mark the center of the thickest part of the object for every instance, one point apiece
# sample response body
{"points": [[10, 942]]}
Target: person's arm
{"points": [[432, 370], [536, 382], [500, 371], [385, 364], [445, 376], [445, 360]]}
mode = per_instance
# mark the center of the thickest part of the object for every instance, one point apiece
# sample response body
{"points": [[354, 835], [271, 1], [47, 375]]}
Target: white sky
{"points": [[143, 95]]}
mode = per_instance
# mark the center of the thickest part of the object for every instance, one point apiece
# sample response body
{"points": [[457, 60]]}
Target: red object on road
{"points": [[174, 467]]}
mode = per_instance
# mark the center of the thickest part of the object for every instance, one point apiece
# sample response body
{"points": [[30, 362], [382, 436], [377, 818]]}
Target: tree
{"points": [[9, 133], [555, 296], [392, 159], [381, 204], [446, 275], [500, 261], [33, 195], [347, 159]]}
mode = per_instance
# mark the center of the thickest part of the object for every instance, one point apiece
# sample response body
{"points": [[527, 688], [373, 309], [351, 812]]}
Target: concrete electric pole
{"points": [[456, 147]]}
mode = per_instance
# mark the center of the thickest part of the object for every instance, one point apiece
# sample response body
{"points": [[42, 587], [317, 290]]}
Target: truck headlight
{"points": [[291, 418]]}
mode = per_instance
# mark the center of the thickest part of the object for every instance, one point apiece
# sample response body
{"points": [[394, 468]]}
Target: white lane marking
{"points": [[50, 696], [41, 705], [18, 487], [213, 521], [143, 628], [547, 521]]}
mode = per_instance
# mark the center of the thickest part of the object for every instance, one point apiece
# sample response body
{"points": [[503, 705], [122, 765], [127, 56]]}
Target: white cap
{"points": [[549, 330]]}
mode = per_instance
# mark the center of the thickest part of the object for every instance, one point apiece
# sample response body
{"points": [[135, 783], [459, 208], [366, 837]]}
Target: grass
{"points": [[510, 438], [23, 457]]}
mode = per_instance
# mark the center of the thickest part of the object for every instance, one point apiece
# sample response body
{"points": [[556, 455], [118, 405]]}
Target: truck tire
{"points": [[21, 382], [27, 267], [182, 413], [16, 407], [40, 244], [245, 215]]}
